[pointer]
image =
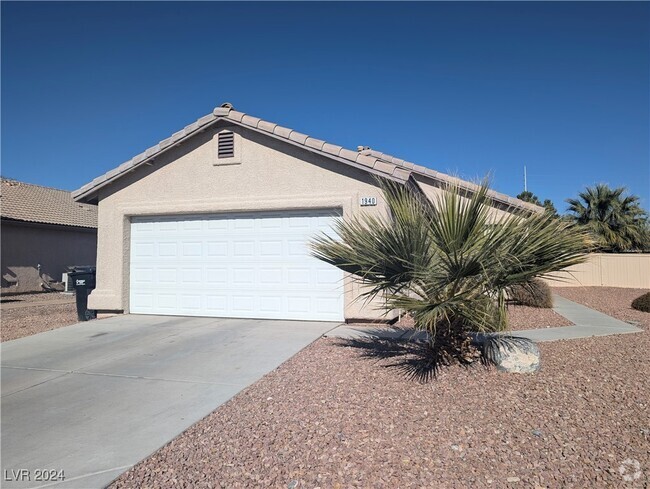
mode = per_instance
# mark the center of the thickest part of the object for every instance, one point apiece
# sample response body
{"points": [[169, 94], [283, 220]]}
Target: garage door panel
{"points": [[270, 276], [299, 305], [168, 302], [243, 303], [243, 276], [217, 276], [216, 303], [144, 249], [143, 275], [270, 303], [244, 249], [217, 248], [142, 300], [254, 265]]}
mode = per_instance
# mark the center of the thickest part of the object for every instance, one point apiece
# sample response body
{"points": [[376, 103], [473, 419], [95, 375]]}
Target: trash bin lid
{"points": [[83, 269]]}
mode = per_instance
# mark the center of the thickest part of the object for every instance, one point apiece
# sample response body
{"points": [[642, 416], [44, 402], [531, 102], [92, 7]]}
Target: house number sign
{"points": [[366, 201]]}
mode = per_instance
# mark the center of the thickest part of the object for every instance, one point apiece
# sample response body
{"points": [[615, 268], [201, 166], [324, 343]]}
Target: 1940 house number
{"points": [[365, 201]]}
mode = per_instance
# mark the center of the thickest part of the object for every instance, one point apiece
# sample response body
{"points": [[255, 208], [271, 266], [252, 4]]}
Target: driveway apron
{"points": [[82, 404]]}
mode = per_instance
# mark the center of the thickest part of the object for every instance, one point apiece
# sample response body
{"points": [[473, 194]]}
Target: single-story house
{"points": [[215, 221], [44, 231]]}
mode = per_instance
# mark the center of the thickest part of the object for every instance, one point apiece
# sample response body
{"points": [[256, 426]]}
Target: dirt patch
{"points": [[28, 314], [330, 418]]}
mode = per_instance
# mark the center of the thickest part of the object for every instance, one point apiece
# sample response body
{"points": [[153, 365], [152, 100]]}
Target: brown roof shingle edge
{"points": [[369, 160], [27, 202]]}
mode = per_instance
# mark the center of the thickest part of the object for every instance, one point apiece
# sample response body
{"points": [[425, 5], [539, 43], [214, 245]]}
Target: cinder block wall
{"points": [[629, 270], [26, 245]]}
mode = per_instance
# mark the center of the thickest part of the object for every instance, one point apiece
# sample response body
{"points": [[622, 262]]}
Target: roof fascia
{"points": [[468, 187], [88, 194]]}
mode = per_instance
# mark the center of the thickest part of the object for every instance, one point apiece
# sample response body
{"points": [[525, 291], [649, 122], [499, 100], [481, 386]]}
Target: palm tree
{"points": [[617, 221], [449, 262]]}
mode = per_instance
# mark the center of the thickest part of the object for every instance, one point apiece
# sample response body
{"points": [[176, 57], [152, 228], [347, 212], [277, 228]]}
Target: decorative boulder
{"points": [[509, 353]]}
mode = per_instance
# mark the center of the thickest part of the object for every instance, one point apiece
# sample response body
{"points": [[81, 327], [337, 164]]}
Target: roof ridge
{"points": [[7, 180], [368, 159], [26, 202]]}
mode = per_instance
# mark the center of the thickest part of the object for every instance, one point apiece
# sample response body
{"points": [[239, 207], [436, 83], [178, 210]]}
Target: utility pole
{"points": [[525, 180]]}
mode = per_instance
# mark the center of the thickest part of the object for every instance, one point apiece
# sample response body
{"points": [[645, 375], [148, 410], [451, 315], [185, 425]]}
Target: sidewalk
{"points": [[587, 323]]}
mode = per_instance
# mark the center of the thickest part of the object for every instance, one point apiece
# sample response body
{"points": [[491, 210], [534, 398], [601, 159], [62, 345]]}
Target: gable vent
{"points": [[226, 145]]}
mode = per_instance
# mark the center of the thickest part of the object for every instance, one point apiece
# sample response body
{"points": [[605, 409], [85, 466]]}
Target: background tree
{"points": [[617, 221], [528, 196], [550, 208]]}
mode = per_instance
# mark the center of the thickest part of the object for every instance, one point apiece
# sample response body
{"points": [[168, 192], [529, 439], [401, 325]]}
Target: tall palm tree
{"points": [[449, 262], [617, 221]]}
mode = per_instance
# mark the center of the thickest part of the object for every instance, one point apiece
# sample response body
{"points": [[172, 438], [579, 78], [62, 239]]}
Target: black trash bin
{"points": [[83, 280]]}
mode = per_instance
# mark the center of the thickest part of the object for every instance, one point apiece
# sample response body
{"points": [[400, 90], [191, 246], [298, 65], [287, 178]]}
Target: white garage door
{"points": [[249, 265]]}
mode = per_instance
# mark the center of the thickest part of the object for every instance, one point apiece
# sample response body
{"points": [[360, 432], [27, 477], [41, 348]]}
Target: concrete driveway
{"points": [[94, 398]]}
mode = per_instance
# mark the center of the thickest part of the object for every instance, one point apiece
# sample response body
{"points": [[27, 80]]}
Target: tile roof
{"points": [[32, 203], [367, 159]]}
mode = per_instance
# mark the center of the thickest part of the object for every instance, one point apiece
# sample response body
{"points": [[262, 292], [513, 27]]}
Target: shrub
{"points": [[446, 261], [642, 303], [534, 293]]}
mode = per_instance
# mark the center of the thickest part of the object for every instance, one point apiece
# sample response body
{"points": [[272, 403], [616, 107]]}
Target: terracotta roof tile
{"points": [[249, 120], [33, 203], [348, 154], [191, 127], [266, 126], [298, 137], [401, 173], [314, 143], [221, 111], [205, 119], [166, 142], [235, 115], [384, 167], [332, 149], [282, 131], [368, 161]]}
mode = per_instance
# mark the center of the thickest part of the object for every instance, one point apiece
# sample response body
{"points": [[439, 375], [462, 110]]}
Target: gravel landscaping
{"points": [[524, 317], [331, 418], [28, 314], [519, 318]]}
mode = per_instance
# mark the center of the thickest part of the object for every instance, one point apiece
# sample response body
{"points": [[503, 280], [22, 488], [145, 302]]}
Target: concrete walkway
{"points": [[95, 398], [587, 323]]}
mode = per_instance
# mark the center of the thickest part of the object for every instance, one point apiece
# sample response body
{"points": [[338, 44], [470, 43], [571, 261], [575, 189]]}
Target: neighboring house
{"points": [[215, 221], [43, 232]]}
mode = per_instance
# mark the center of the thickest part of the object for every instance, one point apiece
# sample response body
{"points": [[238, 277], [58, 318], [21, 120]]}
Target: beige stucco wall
{"points": [[270, 176], [630, 270], [26, 245], [433, 192]]}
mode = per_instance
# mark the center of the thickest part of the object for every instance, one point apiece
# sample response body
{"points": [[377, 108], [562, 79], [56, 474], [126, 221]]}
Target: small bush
{"points": [[642, 303], [534, 293]]}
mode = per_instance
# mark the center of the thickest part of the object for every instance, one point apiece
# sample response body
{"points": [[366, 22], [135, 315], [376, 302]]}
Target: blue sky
{"points": [[465, 88]]}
